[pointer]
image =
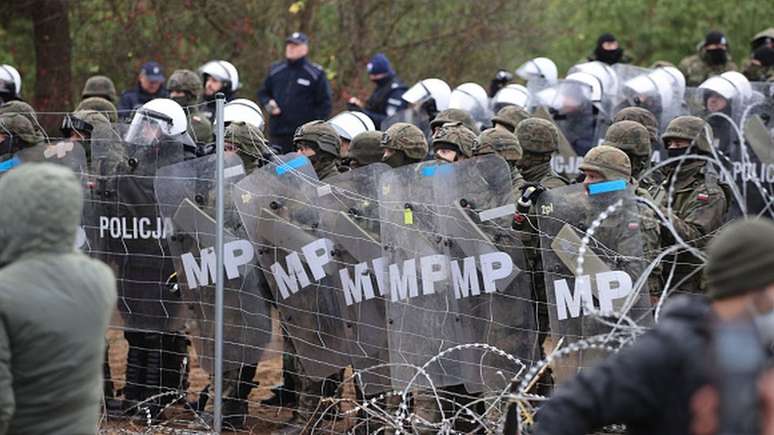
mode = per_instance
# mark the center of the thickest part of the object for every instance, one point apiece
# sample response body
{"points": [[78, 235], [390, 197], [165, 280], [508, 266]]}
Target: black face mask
{"points": [[717, 56], [609, 57]]}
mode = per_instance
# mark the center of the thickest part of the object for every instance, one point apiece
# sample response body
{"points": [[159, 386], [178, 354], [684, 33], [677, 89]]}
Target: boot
{"points": [[134, 391], [235, 404]]}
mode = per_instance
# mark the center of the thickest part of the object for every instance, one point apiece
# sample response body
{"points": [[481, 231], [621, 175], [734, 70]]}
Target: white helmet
{"points": [[10, 80], [730, 85], [668, 83], [595, 86], [538, 68], [426, 89], [223, 71], [158, 118], [350, 124], [469, 97], [243, 110], [511, 95], [605, 74]]}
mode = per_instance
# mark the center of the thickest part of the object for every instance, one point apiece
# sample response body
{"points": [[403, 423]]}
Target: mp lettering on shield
{"points": [[202, 273], [400, 281], [611, 286]]}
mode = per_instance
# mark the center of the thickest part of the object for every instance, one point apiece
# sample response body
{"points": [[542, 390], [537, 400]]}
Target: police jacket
{"points": [[136, 97], [647, 387], [386, 99], [302, 92]]}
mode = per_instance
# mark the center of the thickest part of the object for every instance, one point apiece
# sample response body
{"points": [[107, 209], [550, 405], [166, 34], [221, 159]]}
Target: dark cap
{"points": [[153, 71], [297, 38], [715, 37], [605, 37], [740, 258]]}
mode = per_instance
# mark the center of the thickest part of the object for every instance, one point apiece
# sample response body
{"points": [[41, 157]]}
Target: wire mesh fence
{"points": [[377, 299]]}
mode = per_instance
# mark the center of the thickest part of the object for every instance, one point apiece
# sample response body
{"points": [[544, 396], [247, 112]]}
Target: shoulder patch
{"points": [[314, 70], [277, 67]]}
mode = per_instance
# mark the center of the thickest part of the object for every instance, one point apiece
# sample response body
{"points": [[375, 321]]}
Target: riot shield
{"points": [[421, 306], [593, 262], [487, 271], [186, 194], [349, 217], [129, 232], [278, 206], [575, 115]]}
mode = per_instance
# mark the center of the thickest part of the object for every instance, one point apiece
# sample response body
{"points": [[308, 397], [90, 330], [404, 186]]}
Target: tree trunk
{"points": [[51, 29]]}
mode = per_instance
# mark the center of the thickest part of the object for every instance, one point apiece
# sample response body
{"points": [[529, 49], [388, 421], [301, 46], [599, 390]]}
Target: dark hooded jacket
{"points": [[55, 305], [647, 386]]}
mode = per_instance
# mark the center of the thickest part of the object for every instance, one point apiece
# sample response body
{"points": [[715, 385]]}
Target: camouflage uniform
{"points": [[630, 138], [455, 136], [365, 149], [99, 86], [22, 108], [189, 83], [539, 139], [509, 117], [93, 119], [698, 207], [696, 69], [324, 139], [454, 115], [20, 129], [251, 144], [100, 105], [505, 144], [407, 141], [644, 117], [758, 73]]}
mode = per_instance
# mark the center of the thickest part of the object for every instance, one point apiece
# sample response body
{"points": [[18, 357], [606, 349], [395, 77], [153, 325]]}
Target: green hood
{"points": [[40, 208]]}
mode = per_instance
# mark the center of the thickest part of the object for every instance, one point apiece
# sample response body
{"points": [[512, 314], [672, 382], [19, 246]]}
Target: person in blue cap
{"points": [[295, 92], [386, 98], [150, 85]]}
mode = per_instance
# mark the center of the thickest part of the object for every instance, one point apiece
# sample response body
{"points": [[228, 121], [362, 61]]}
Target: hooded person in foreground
{"points": [[55, 305]]}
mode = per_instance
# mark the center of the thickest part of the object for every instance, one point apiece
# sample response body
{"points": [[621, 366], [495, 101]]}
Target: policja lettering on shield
{"points": [[135, 228]]}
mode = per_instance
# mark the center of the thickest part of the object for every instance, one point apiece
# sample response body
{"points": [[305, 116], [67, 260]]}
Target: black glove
{"points": [[354, 107]]}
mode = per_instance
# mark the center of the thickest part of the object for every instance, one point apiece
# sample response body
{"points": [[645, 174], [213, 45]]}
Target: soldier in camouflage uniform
{"points": [[185, 88], [100, 105], [712, 59], [632, 139], [453, 142], [249, 143], [539, 139], [753, 67], [365, 149], [403, 144], [320, 142], [99, 86], [693, 199], [454, 115], [16, 133], [79, 125], [501, 142], [509, 117], [18, 106]]}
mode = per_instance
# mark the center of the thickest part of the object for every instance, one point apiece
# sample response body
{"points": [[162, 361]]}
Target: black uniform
{"points": [[136, 97], [303, 94], [386, 99], [647, 386]]}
